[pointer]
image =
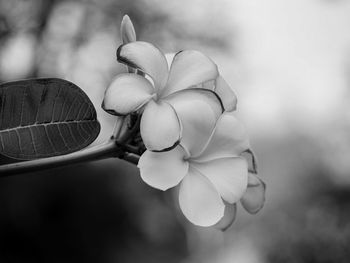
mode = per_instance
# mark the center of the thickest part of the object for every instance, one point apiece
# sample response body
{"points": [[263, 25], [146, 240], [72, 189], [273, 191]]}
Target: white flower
{"points": [[189, 139], [193, 77], [211, 171]]}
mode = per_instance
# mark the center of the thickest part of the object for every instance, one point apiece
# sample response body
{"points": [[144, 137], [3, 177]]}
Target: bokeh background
{"points": [[289, 63]]}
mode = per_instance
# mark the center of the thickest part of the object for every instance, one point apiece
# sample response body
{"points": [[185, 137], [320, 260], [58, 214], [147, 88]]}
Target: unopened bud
{"points": [[127, 30]]}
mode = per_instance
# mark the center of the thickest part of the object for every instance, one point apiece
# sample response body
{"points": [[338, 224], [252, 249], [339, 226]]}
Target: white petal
{"points": [[199, 200], [147, 58], [226, 94], [198, 111], [169, 58], [250, 156], [229, 217], [189, 68], [127, 30], [160, 127], [163, 170], [228, 139], [126, 94], [253, 180], [229, 175], [254, 198]]}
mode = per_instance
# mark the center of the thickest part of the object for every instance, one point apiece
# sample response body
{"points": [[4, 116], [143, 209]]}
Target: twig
{"points": [[132, 158], [108, 149], [118, 127]]}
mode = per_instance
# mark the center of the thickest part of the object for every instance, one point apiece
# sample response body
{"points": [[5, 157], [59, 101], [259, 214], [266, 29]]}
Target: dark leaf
{"points": [[45, 117]]}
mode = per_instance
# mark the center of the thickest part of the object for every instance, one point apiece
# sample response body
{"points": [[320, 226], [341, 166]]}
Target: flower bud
{"points": [[127, 30]]}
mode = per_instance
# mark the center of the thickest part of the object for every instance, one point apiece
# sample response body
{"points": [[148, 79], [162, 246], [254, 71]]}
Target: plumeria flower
{"points": [[156, 96], [182, 98], [211, 170]]}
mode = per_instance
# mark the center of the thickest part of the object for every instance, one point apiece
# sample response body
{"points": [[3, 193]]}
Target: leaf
{"points": [[45, 117]]}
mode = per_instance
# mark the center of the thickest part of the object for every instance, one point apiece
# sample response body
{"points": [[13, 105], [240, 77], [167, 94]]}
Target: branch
{"points": [[116, 147], [108, 149]]}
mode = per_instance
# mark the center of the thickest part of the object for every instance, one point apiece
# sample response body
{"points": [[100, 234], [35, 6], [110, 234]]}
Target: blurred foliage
{"points": [[275, 56], [87, 213]]}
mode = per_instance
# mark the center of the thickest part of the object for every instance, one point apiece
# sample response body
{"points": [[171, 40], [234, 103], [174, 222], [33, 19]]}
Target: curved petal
{"points": [[147, 58], [163, 170], [254, 198], [249, 155], [229, 217], [199, 200], [198, 111], [228, 175], [189, 68], [160, 127], [228, 139], [126, 94], [226, 94], [169, 58]]}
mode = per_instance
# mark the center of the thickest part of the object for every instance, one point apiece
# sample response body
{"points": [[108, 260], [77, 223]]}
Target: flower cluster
{"points": [[188, 127]]}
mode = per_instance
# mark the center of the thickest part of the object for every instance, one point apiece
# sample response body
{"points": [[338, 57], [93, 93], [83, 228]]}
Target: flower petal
{"points": [[160, 127], [147, 58], [199, 200], [169, 58], [189, 68], [249, 155], [226, 94], [254, 198], [229, 138], [198, 111], [126, 94], [253, 180], [163, 170], [228, 175], [229, 217]]}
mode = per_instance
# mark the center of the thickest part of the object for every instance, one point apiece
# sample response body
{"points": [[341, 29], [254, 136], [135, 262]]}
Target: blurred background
{"points": [[289, 63]]}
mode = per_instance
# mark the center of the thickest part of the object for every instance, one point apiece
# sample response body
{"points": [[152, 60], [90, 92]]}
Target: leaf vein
{"points": [[65, 143], [22, 104], [49, 139], [70, 131], [19, 141], [46, 124], [33, 141]]}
